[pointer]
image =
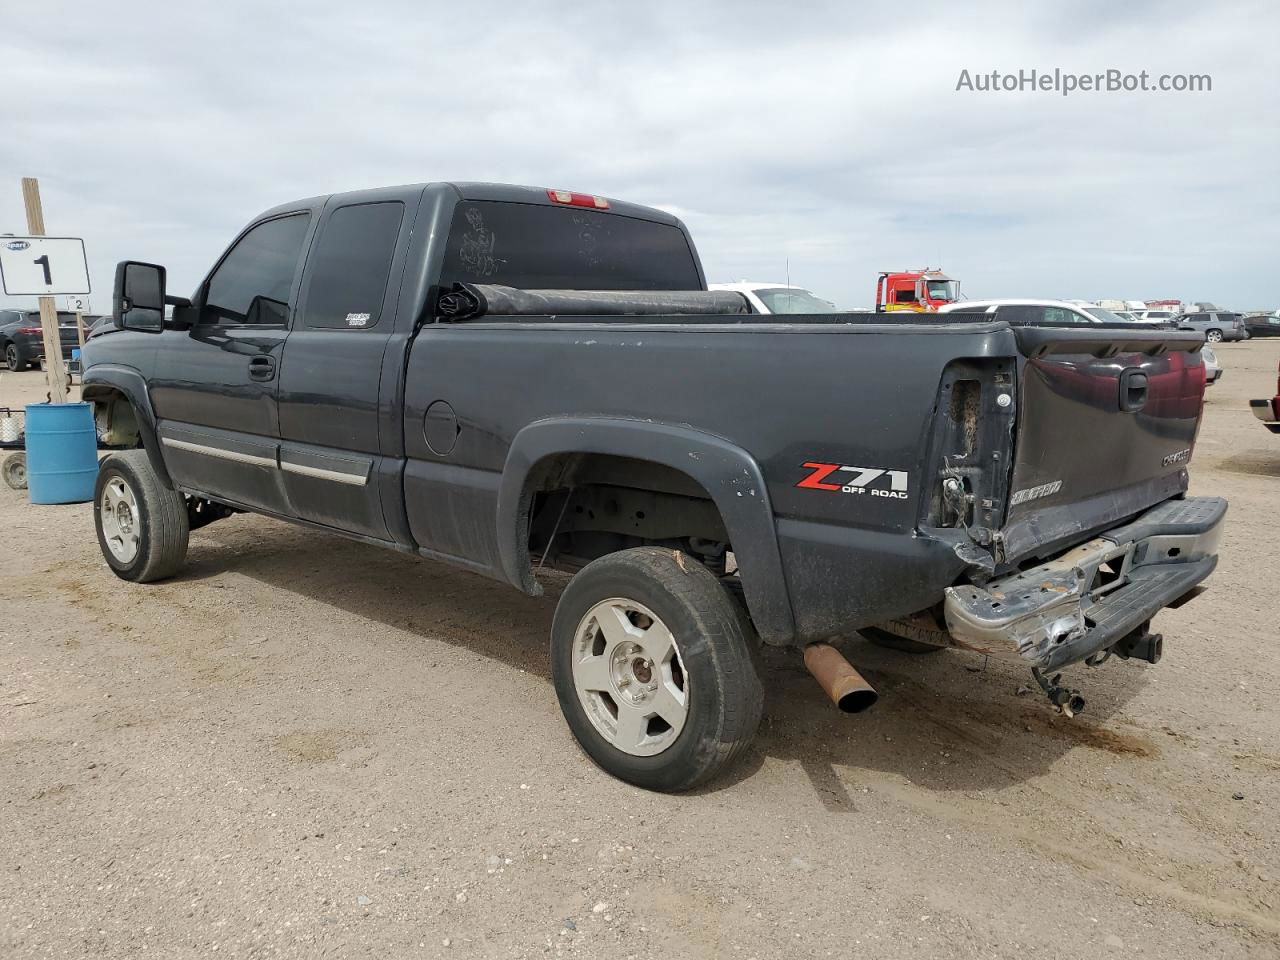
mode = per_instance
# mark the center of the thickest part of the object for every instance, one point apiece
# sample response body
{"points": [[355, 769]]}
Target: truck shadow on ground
{"points": [[949, 721], [1257, 463]]}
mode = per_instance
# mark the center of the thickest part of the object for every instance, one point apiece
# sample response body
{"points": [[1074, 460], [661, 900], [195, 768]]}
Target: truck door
{"points": [[214, 392], [337, 396]]}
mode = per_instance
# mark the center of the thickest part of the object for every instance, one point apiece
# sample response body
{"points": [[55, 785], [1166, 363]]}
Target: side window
{"points": [[252, 283], [1196, 317], [904, 296], [349, 265], [1020, 313], [1058, 316]]}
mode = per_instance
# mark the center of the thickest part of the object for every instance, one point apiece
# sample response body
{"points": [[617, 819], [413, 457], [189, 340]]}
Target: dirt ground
{"points": [[306, 747]]}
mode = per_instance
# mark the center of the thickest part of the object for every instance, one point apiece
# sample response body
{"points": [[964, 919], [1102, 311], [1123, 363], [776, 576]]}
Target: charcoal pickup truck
{"points": [[512, 379]]}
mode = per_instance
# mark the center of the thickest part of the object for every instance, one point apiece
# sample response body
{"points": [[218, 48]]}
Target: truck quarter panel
{"points": [[830, 536]]}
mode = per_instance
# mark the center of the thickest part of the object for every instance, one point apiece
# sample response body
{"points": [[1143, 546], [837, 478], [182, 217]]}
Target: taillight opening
{"points": [[569, 198]]}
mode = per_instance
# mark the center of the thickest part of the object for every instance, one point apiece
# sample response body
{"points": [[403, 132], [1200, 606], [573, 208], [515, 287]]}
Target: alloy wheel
{"points": [[629, 677]]}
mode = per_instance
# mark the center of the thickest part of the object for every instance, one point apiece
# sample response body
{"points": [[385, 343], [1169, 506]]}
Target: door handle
{"points": [[262, 368], [1133, 390]]}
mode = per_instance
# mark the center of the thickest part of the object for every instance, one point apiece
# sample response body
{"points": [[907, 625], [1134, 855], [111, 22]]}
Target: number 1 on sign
{"points": [[44, 262]]}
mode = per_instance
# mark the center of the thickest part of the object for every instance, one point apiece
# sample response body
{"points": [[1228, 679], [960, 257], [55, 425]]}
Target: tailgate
{"points": [[1106, 423]]}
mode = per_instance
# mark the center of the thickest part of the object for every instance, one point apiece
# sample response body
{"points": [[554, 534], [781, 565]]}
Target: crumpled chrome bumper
{"points": [[1095, 594]]}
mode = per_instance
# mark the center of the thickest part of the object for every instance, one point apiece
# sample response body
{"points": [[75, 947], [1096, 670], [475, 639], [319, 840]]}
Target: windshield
{"points": [[1106, 316], [793, 300], [945, 290]]}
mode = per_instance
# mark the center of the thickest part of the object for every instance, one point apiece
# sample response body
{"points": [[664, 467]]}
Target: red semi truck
{"points": [[915, 291]]}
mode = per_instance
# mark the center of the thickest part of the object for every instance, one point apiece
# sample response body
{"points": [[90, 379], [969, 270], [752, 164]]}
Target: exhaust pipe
{"points": [[846, 687]]}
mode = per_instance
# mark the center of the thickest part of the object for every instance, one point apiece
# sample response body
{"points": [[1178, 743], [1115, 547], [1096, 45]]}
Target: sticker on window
{"points": [[357, 319]]}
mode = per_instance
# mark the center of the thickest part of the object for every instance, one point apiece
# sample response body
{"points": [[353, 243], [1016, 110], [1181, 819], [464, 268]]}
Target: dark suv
{"points": [[22, 342], [1263, 325]]}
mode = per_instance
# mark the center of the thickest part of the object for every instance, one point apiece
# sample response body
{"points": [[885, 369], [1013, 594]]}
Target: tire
{"points": [[13, 358], [891, 641], [678, 644], [14, 468], [153, 519], [1213, 336]]}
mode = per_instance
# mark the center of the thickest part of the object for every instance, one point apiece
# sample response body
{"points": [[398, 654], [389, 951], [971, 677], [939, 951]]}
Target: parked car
{"points": [[777, 297], [22, 339], [1049, 312], [1268, 410], [1216, 327], [453, 371], [1263, 325], [1212, 369], [1163, 316]]}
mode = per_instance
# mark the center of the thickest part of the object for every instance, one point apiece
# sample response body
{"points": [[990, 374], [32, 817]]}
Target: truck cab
{"points": [[915, 291]]}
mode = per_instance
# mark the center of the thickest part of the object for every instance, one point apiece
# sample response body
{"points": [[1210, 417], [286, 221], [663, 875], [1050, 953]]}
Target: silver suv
{"points": [[1216, 326]]}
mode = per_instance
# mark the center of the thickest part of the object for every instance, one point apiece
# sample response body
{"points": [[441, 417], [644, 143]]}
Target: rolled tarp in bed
{"points": [[470, 301]]}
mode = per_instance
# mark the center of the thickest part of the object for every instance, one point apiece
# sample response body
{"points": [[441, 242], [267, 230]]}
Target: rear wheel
{"points": [[654, 669], [1214, 336], [13, 358], [142, 524], [14, 468]]}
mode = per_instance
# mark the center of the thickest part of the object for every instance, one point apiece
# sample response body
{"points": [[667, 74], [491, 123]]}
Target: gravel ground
{"points": [[306, 747]]}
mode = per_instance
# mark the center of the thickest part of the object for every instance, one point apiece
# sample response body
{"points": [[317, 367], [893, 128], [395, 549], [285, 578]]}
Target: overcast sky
{"points": [[829, 135]]}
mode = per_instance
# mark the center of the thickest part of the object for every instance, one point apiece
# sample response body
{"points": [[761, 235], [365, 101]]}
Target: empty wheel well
{"points": [[114, 417], [584, 506]]}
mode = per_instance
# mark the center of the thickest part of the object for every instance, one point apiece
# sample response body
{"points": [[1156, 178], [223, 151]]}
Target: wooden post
{"points": [[55, 371], [80, 328]]}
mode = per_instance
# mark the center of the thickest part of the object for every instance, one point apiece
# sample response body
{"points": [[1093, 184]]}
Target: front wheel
{"points": [[1214, 336], [142, 524], [654, 668]]}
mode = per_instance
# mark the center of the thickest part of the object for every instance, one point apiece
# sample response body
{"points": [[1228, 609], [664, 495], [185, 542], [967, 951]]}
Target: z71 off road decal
{"points": [[874, 481]]}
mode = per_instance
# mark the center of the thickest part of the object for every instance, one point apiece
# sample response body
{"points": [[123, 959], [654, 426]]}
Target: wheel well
{"points": [[584, 506], [115, 419]]}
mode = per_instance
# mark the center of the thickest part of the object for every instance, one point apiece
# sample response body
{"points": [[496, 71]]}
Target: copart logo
{"points": [[1182, 456], [870, 481], [1035, 493], [17, 246]]}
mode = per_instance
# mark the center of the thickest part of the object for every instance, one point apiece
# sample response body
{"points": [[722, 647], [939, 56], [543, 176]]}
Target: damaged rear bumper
{"points": [[1095, 595]]}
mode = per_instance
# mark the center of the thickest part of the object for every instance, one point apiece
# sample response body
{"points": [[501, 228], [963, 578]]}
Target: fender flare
{"points": [[104, 378], [728, 473]]}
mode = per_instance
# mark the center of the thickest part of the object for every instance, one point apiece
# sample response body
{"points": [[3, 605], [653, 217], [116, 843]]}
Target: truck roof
{"points": [[502, 192]]}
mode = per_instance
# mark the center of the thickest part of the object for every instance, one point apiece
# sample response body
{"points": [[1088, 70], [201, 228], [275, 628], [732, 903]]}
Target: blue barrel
{"points": [[62, 452]]}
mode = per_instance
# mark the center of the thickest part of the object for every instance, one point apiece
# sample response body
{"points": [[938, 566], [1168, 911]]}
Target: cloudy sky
{"points": [[827, 135]]}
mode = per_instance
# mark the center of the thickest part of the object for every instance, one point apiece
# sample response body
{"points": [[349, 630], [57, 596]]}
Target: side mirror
{"points": [[139, 300]]}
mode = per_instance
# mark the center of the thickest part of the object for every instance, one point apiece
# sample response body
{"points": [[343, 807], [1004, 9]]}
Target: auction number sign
{"points": [[43, 266]]}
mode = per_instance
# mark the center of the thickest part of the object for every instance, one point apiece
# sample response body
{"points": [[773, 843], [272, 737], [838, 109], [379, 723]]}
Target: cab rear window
{"points": [[537, 247]]}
